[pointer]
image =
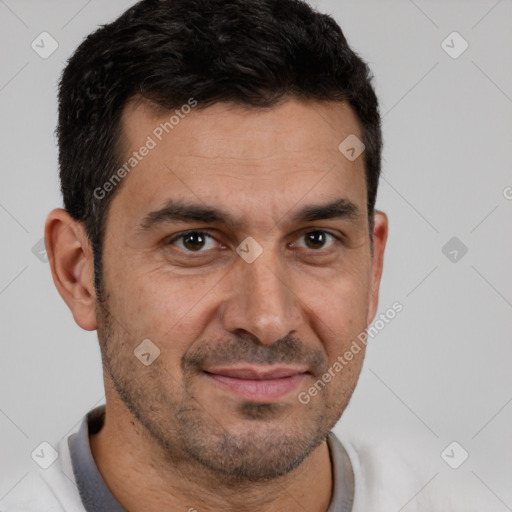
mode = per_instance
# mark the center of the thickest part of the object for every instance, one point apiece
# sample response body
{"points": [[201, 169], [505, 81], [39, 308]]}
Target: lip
{"points": [[259, 384]]}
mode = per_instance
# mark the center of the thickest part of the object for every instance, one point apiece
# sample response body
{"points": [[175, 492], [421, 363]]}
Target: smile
{"points": [[258, 383]]}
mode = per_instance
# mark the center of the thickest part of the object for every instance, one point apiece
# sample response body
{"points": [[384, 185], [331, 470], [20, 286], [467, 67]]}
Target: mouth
{"points": [[258, 383]]}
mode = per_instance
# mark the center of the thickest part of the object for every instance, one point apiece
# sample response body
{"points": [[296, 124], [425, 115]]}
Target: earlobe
{"points": [[71, 262], [380, 235]]}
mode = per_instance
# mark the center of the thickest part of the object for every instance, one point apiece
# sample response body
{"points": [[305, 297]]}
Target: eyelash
{"points": [[208, 235]]}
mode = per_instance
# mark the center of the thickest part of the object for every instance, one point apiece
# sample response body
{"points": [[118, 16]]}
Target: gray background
{"points": [[440, 371]]}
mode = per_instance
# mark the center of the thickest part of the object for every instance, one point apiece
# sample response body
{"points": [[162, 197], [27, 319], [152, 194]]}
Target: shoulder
{"points": [[31, 494], [46, 490], [405, 472], [383, 478]]}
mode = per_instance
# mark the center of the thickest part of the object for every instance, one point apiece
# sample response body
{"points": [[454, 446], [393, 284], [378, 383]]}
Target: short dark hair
{"points": [[254, 53]]}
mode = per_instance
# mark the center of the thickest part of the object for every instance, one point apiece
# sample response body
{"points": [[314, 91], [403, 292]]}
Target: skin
{"points": [[173, 438]]}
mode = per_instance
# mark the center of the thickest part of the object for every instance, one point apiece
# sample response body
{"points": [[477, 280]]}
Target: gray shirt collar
{"points": [[94, 493], [96, 496]]}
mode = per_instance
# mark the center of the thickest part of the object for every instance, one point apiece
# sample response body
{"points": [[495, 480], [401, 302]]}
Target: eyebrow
{"points": [[182, 211]]}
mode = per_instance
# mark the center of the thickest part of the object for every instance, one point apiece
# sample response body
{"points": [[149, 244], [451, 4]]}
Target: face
{"points": [[239, 247]]}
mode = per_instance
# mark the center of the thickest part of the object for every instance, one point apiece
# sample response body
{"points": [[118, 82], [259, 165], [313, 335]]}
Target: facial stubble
{"points": [[264, 442]]}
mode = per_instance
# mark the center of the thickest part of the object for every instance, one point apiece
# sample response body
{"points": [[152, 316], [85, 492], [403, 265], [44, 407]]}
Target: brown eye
{"points": [[193, 241], [317, 240]]}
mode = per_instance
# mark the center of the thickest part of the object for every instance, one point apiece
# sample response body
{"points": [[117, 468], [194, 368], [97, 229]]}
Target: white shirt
{"points": [[367, 478]]}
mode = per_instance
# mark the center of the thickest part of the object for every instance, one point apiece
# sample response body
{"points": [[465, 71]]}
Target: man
{"points": [[219, 163]]}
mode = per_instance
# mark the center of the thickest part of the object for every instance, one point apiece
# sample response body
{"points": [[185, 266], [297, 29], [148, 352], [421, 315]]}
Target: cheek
{"points": [[339, 312], [166, 308]]}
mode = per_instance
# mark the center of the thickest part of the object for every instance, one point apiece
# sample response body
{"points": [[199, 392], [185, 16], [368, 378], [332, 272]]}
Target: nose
{"points": [[262, 300]]}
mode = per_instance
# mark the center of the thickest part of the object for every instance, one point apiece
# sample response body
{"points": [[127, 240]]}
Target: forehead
{"points": [[295, 124], [239, 157]]}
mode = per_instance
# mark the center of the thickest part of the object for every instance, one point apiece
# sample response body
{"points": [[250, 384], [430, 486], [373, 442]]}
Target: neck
{"points": [[141, 478]]}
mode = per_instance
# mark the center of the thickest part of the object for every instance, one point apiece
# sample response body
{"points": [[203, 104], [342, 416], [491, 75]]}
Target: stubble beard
{"points": [[268, 445]]}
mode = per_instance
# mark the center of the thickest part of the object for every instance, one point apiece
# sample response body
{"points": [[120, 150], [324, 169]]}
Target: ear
{"points": [[71, 261], [380, 236]]}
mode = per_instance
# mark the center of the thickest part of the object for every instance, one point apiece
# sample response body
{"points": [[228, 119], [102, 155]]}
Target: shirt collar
{"points": [[96, 496]]}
